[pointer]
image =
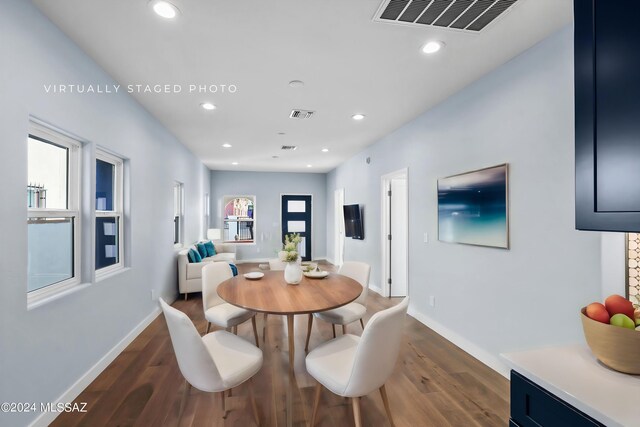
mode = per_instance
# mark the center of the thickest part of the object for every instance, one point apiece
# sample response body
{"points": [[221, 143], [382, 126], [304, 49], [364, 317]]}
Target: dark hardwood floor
{"points": [[434, 382]]}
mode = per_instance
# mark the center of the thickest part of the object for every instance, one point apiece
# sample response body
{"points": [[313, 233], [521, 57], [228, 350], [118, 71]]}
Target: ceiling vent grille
{"points": [[464, 15], [301, 114], [289, 147]]}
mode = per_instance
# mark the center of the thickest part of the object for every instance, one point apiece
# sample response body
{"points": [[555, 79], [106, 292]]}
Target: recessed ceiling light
{"points": [[308, 166], [296, 83], [357, 116], [164, 9], [226, 145], [208, 106], [325, 150], [234, 163], [275, 157], [432, 47], [281, 133]]}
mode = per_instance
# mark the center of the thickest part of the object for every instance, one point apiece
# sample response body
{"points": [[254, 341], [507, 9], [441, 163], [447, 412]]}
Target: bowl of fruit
{"points": [[612, 331]]}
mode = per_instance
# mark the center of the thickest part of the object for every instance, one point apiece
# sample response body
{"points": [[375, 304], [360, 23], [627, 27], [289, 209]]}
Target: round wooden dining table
{"points": [[272, 295]]}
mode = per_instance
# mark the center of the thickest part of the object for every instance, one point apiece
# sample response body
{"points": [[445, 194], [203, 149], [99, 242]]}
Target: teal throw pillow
{"points": [[211, 250], [194, 256], [202, 250]]}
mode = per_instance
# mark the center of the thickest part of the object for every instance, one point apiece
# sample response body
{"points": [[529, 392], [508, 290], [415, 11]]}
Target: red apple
{"points": [[598, 312], [617, 304]]}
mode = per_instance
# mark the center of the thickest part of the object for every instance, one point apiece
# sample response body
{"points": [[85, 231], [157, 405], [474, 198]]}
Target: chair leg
{"points": [[316, 402], [344, 329], [356, 411], [252, 397], [185, 296], [183, 402], [264, 329], [385, 400], [224, 410], [255, 331], [235, 330], [333, 328], [362, 323], [306, 345], [208, 327], [230, 392]]}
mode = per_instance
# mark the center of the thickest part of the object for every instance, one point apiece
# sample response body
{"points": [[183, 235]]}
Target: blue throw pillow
{"points": [[194, 256], [234, 269], [211, 250], [202, 250]]}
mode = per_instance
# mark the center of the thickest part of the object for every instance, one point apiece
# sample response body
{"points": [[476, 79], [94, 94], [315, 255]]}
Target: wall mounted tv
{"points": [[353, 222]]}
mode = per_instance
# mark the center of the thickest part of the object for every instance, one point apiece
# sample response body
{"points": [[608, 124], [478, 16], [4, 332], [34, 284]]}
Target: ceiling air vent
{"points": [[301, 114], [466, 15], [289, 147]]}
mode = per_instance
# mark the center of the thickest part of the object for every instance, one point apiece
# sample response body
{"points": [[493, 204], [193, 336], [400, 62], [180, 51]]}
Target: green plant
{"points": [[290, 248]]}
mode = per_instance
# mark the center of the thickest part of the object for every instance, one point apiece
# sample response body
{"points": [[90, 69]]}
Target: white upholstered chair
{"points": [[218, 311], [352, 366], [358, 271], [216, 362]]}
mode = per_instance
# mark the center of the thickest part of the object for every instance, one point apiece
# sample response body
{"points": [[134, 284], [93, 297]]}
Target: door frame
{"points": [[385, 181], [280, 218], [338, 225]]}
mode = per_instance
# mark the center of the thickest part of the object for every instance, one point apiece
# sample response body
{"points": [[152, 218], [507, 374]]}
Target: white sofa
{"points": [[190, 274]]}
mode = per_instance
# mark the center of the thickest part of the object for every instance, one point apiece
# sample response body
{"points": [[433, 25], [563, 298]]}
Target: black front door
{"points": [[296, 218]]}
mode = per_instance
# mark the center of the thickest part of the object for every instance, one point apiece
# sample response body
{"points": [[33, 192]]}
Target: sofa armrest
{"points": [[225, 248]]}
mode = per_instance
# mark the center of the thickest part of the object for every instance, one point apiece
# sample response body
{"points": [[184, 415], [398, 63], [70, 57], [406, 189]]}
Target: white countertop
{"points": [[573, 374]]}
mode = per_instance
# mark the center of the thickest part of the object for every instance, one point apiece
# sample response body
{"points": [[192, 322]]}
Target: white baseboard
{"points": [[247, 261], [481, 354], [375, 289], [46, 418]]}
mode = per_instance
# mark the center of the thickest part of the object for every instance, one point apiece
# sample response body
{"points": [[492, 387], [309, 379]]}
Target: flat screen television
{"points": [[353, 222]]}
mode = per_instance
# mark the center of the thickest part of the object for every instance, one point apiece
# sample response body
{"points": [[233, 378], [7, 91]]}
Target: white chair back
{"points": [[377, 350], [195, 362], [358, 271], [212, 275]]}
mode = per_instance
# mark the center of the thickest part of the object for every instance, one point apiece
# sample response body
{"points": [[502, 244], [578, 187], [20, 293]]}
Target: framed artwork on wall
{"points": [[473, 207]]}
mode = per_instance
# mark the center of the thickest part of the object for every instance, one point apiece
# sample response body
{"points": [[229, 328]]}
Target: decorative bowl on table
{"points": [[254, 275], [616, 347], [316, 274]]}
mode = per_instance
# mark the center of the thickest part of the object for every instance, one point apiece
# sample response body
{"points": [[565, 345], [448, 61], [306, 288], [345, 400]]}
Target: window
{"points": [[239, 219], [633, 266], [178, 213], [53, 200], [207, 211], [109, 210]]}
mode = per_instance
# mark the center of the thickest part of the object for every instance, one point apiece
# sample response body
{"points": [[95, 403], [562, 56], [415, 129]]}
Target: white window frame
{"points": [[73, 208], [178, 211], [117, 212], [207, 213]]}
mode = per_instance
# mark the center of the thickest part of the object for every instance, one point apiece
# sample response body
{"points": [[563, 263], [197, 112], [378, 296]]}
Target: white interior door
{"points": [[399, 218], [338, 216]]}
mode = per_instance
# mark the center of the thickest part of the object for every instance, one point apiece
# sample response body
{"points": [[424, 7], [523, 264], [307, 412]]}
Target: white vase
{"points": [[293, 273]]}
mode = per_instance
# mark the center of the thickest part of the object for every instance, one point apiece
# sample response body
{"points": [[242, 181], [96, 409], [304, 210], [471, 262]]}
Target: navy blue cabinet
{"points": [[533, 406], [607, 109]]}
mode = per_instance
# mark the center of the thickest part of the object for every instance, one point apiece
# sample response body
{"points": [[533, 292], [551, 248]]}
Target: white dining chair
{"points": [[352, 366], [214, 363], [358, 271], [218, 311]]}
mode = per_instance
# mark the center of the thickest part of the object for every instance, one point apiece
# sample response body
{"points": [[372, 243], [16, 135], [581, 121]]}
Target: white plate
{"points": [[254, 275], [316, 274]]}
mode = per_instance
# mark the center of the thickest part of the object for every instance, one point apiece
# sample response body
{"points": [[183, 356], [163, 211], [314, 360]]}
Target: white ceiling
{"points": [[349, 64]]}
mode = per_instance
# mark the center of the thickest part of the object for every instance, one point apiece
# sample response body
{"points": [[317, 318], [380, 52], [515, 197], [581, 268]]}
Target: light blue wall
{"points": [[495, 300], [45, 350], [267, 187]]}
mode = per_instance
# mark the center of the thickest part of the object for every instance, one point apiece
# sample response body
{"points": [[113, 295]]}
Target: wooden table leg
{"points": [[291, 341]]}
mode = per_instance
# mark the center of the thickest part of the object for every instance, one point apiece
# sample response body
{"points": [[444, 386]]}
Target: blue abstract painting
{"points": [[473, 208]]}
